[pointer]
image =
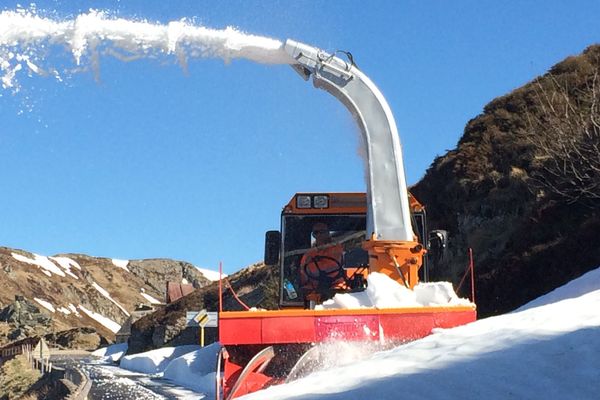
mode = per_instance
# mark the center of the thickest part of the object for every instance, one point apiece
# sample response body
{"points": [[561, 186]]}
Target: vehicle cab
{"points": [[345, 216]]}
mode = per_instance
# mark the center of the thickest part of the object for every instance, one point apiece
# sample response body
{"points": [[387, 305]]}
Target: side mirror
{"points": [[272, 247], [438, 243]]}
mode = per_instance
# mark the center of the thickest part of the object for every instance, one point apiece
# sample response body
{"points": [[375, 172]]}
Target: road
{"points": [[111, 382]]}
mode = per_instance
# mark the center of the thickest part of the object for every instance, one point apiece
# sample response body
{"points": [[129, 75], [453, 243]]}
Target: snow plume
{"points": [[27, 39]]}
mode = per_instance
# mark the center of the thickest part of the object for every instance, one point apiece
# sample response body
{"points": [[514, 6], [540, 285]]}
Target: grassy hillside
{"points": [[522, 188]]}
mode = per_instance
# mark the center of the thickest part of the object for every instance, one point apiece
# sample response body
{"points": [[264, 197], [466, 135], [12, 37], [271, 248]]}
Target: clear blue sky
{"points": [[152, 161]]}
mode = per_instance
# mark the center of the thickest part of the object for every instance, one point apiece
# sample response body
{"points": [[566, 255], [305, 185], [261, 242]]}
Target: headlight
{"points": [[321, 201], [303, 201]]}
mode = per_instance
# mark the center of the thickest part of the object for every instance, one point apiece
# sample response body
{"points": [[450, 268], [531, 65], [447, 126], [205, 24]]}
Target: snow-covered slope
{"points": [[547, 350]]}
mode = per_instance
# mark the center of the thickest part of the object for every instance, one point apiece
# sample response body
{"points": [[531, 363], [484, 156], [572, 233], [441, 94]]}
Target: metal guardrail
{"points": [[81, 380]]}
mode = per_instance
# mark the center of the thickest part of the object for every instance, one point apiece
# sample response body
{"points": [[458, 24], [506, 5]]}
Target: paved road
{"points": [[112, 383]]}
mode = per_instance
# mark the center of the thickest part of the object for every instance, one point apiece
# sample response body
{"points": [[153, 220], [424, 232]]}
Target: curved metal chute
{"points": [[388, 216]]}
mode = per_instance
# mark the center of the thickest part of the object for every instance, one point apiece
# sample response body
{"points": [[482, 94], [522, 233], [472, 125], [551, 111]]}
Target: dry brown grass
{"points": [[16, 377]]}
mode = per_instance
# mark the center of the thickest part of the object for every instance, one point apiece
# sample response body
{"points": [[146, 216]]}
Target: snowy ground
{"points": [[547, 349]]}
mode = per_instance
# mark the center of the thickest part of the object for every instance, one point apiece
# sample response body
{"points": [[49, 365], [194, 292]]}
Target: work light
{"points": [[321, 201], [303, 201]]}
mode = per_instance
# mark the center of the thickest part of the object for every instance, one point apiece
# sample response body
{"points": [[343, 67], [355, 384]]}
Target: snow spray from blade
{"points": [[28, 40]]}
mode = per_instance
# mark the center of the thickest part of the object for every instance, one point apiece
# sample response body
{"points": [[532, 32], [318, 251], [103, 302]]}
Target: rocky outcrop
{"points": [[77, 339], [256, 286], [23, 313]]}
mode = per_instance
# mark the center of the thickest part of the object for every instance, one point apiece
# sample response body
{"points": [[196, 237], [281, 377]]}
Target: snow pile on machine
{"points": [[383, 292]]}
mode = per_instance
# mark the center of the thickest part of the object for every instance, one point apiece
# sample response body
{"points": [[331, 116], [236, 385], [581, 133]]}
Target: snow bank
{"points": [[111, 353], [383, 292], [548, 350], [195, 370], [155, 361]]}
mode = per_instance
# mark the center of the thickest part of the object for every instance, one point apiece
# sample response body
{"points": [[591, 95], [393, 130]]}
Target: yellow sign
{"points": [[202, 318]]}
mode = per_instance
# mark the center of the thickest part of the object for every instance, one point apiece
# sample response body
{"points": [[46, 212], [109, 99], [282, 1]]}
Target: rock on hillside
{"points": [[256, 286], [78, 291], [522, 188]]}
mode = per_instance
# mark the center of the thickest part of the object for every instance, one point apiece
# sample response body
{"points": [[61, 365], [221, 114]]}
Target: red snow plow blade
{"points": [[262, 347]]}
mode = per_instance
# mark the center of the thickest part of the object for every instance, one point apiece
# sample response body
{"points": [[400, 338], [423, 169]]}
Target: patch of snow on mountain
{"points": [[209, 274], [578, 287], [64, 310], [74, 310], [47, 266], [47, 305], [102, 320], [104, 293], [121, 264], [150, 299], [66, 263]]}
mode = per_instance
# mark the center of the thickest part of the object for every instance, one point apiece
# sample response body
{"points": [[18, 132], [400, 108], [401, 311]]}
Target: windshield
{"points": [[347, 231]]}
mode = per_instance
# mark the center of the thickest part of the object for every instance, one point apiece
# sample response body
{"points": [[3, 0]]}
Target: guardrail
{"points": [[81, 380], [52, 373]]}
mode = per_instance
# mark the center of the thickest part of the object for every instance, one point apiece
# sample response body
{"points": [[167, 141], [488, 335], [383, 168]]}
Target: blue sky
{"points": [[153, 161]]}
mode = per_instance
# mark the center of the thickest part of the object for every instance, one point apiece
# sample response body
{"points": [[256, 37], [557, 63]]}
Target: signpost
{"points": [[205, 319]]}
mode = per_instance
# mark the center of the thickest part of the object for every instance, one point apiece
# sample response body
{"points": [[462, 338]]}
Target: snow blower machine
{"points": [[329, 245]]}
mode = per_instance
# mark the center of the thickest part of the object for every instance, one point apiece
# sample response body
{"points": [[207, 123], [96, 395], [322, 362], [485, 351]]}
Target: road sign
{"points": [[202, 318], [209, 319]]}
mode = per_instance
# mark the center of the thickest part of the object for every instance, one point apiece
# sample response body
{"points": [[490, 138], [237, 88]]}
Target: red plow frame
{"points": [[252, 339]]}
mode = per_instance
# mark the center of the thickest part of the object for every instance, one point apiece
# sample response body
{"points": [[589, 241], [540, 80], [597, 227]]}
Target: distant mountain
{"points": [[43, 295], [522, 188]]}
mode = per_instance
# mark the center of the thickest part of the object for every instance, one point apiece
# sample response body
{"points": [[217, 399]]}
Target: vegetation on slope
{"points": [[522, 188]]}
